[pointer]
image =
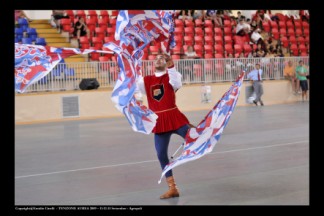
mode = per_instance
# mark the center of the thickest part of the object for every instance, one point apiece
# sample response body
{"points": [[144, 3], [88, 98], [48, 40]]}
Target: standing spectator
{"points": [[301, 73], [160, 90], [289, 74], [80, 29], [255, 75]]}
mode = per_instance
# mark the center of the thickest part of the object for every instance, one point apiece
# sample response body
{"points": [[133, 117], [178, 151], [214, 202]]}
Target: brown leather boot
{"points": [[173, 190]]}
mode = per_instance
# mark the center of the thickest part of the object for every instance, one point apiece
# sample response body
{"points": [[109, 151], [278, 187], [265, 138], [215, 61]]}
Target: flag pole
{"points": [[182, 144]]}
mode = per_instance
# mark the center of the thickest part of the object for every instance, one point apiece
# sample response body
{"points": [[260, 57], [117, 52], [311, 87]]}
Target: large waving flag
{"points": [[135, 29], [201, 140], [33, 62]]}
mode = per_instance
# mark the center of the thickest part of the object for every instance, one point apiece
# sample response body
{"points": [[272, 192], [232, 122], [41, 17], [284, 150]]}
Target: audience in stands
{"points": [[80, 29]]}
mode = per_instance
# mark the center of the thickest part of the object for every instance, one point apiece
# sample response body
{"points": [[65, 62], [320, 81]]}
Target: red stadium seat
{"points": [[198, 23], [218, 40], [178, 31], [84, 42], [199, 31], [247, 48], [266, 26], [209, 40], [218, 48], [92, 14], [229, 48], [275, 33], [209, 49], [238, 48], [179, 23], [189, 31], [284, 42], [104, 15], [294, 49], [209, 32], [188, 40], [199, 40], [209, 23], [218, 31]]}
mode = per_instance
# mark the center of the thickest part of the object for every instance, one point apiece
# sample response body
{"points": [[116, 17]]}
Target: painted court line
{"points": [[149, 161]]}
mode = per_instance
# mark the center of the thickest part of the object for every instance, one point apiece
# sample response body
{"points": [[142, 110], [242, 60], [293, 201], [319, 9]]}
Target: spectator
{"points": [[186, 15], [260, 52], [242, 28], [190, 54], [199, 14], [289, 74], [21, 14], [256, 77], [80, 29], [218, 20], [301, 74], [57, 15], [188, 67], [210, 14], [238, 16]]}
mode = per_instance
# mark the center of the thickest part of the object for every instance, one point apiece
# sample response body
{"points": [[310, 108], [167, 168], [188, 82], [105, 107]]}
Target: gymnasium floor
{"points": [[262, 158]]}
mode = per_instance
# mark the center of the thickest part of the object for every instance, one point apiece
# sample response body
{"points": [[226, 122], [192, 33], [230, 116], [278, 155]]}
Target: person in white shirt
{"points": [[256, 77]]}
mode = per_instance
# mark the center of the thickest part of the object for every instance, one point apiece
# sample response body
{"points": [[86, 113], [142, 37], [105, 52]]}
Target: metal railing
{"points": [[67, 76]]}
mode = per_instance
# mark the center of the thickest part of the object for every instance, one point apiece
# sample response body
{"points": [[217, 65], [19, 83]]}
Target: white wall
{"points": [[38, 14]]}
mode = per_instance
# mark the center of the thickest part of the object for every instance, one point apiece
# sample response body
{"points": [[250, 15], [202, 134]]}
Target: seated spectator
{"points": [[256, 36], [260, 52], [218, 20], [242, 28], [190, 54], [80, 29], [199, 14], [57, 15], [186, 15], [258, 19], [21, 14], [210, 14]]}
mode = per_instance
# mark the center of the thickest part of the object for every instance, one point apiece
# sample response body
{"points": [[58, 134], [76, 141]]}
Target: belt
{"points": [[166, 110]]}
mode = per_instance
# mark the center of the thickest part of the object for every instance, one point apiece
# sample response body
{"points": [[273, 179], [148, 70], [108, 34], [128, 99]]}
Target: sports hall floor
{"points": [[262, 158]]}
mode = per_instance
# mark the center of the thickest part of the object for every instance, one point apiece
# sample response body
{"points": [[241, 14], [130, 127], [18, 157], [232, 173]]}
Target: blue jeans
{"points": [[162, 141]]}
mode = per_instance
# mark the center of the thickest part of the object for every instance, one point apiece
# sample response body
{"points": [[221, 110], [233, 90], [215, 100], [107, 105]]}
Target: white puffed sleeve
{"points": [[140, 88], [175, 78]]}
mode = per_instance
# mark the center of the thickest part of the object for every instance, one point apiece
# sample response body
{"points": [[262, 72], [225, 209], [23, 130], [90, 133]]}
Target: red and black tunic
{"points": [[161, 100]]}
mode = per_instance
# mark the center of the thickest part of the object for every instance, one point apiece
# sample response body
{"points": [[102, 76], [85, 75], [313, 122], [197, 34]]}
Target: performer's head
{"points": [[160, 63]]}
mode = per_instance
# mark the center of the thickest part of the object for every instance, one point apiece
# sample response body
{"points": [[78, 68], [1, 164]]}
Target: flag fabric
{"points": [[33, 62], [201, 140], [136, 29]]}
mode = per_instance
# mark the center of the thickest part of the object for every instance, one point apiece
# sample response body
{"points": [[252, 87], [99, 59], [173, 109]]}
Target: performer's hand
{"points": [[168, 60]]}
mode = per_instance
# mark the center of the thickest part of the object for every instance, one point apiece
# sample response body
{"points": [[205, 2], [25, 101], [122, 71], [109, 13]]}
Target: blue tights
{"points": [[162, 141]]}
